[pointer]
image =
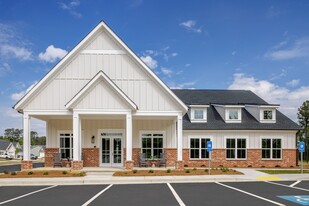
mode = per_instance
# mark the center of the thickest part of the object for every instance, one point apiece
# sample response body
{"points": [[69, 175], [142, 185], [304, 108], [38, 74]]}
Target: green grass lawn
{"points": [[9, 162], [292, 171]]}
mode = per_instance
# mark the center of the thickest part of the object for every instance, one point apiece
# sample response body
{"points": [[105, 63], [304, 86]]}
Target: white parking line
{"points": [[25, 195], [248, 193], [97, 195], [295, 183], [181, 203], [298, 188]]}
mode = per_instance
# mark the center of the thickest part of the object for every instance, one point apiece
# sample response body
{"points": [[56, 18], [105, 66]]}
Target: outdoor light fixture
{"points": [[92, 139]]}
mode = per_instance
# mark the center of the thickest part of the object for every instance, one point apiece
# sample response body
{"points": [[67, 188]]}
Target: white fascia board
{"points": [[263, 106], [165, 87], [97, 77], [199, 106], [157, 113], [228, 106], [54, 70]]}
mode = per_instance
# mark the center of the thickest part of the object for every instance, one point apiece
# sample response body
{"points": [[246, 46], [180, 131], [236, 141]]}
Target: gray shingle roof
{"points": [[4, 144], [229, 97]]}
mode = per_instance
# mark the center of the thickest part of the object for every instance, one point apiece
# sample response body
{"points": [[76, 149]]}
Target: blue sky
{"points": [[257, 45]]}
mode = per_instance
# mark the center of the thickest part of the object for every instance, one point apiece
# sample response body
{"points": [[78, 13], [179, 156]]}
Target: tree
{"points": [[13, 134], [303, 119]]}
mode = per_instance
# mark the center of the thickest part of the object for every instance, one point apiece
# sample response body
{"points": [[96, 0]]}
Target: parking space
{"points": [[137, 195], [217, 193], [213, 194], [269, 191]]}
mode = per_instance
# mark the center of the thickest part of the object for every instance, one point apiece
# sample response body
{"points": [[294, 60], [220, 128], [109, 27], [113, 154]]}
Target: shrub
{"points": [[150, 171], [206, 170], [224, 169], [82, 174], [45, 173], [168, 171], [30, 173], [134, 171], [6, 172], [187, 171], [64, 172], [13, 173], [194, 169]]}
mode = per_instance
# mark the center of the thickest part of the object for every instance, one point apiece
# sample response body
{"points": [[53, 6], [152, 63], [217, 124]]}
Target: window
{"points": [[236, 148], [198, 114], [271, 148], [233, 114], [268, 114], [66, 145], [198, 148], [152, 144]]}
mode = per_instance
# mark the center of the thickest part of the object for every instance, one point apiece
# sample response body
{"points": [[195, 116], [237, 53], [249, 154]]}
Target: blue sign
{"points": [[301, 146], [302, 200], [209, 146]]}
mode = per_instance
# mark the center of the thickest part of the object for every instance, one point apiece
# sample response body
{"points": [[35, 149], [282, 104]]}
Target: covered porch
{"points": [[107, 138]]}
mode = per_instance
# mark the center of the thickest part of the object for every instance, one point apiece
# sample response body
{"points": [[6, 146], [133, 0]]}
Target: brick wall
{"points": [[254, 159], [91, 157], [49, 156]]}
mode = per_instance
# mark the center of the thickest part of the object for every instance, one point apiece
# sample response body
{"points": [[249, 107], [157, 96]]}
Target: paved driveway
{"points": [[218, 193]]}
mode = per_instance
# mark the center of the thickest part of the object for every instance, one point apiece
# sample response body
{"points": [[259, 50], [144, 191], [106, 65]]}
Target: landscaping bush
{"points": [[13, 173], [150, 171], [224, 169], [187, 171], [134, 171], [45, 173], [64, 172], [30, 173], [206, 170], [6, 172], [168, 171], [194, 169]]}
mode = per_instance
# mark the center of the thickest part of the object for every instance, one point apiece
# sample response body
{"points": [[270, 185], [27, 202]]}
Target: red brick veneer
{"points": [[254, 159], [49, 156], [26, 165], [91, 157], [77, 165]]}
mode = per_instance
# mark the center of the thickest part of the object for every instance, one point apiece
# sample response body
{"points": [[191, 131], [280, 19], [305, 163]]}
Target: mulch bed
{"points": [[42, 174], [186, 172]]}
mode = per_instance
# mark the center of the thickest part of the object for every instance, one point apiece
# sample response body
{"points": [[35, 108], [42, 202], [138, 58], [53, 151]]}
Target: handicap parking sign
{"points": [[302, 200], [301, 146], [209, 146]]}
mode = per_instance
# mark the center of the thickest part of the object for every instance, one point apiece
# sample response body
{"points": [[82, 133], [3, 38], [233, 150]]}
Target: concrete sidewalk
{"points": [[107, 178]]}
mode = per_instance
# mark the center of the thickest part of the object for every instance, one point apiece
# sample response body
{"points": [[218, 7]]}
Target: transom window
{"points": [[271, 148], [236, 148], [66, 145], [198, 148], [268, 114], [152, 144]]}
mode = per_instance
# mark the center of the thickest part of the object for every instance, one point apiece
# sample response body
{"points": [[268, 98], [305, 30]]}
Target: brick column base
{"points": [[26, 165], [179, 165], [129, 165], [77, 165]]}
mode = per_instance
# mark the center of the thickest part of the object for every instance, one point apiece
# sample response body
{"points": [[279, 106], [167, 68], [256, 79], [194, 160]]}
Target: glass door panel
{"points": [[106, 150], [117, 151]]}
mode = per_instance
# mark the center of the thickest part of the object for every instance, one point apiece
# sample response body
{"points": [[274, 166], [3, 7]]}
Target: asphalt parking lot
{"points": [[216, 193]]}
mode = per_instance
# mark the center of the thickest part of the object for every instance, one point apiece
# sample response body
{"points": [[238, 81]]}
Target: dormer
{"points": [[198, 113], [229, 113], [263, 113]]}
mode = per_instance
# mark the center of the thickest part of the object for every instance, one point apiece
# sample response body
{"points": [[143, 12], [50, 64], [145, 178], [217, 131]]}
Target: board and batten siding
{"points": [[123, 70], [90, 128], [254, 137]]}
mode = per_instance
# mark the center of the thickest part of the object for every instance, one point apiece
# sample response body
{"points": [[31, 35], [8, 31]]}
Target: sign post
{"points": [[209, 150], [302, 150]]}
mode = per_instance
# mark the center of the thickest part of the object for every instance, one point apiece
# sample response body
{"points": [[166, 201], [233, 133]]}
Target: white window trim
{"points": [[236, 137], [273, 120], [227, 120], [152, 132], [58, 140], [198, 120], [200, 144], [271, 148]]}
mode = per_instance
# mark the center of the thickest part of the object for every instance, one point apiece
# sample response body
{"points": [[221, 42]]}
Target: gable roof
{"points": [[230, 97], [4, 145], [101, 25], [100, 76]]}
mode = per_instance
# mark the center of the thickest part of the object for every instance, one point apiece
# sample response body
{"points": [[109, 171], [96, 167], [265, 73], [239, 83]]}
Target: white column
{"points": [[46, 135], [26, 137], [76, 137], [129, 136], [179, 137]]}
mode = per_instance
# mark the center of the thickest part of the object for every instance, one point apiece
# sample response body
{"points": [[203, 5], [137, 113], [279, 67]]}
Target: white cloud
{"points": [[191, 25], [293, 83], [187, 65], [11, 51], [290, 100], [298, 49], [152, 63], [17, 96], [166, 71], [71, 8], [52, 54], [185, 85], [174, 54], [4, 69]]}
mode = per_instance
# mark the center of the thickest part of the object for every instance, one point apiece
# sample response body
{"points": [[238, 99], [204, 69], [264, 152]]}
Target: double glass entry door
{"points": [[111, 147]]}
